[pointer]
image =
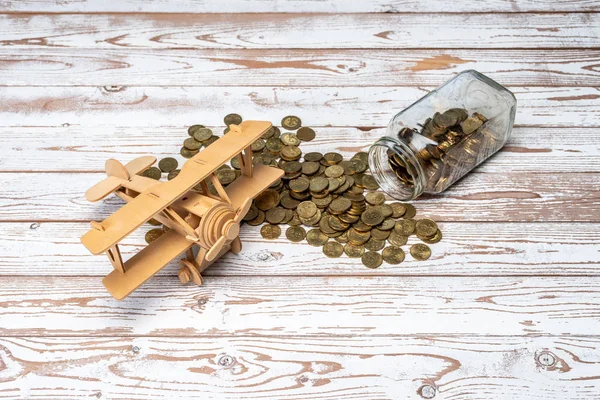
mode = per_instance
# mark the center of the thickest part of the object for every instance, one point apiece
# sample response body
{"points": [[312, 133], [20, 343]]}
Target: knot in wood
{"points": [[226, 361], [546, 359], [427, 392]]}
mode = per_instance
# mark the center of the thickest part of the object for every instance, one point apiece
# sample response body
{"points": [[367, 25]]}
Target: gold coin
{"points": [[334, 171], [369, 183], [288, 202], [251, 214], [192, 144], [167, 164], [434, 239], [203, 134], [290, 139], [420, 251], [292, 167], [275, 215], [362, 227], [306, 134], [300, 184], [357, 238], [426, 227], [154, 222], [173, 174], [291, 153], [385, 210], [336, 224], [310, 167], [260, 218], [410, 211], [291, 122], [153, 234], [225, 176], [210, 141], [387, 225], [333, 249], [371, 259], [258, 145], [372, 217], [356, 166], [187, 153], [332, 158], [354, 251], [312, 221], [380, 234], [396, 239], [316, 238], [295, 233], [314, 156], [375, 198], [398, 209], [274, 145], [192, 129], [267, 200], [340, 205], [318, 184], [235, 119], [152, 173], [323, 202], [306, 209], [343, 238], [295, 221], [393, 255], [405, 227], [374, 244], [362, 156], [270, 232]]}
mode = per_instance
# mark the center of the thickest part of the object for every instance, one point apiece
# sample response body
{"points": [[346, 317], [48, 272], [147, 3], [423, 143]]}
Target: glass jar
{"points": [[444, 135]]}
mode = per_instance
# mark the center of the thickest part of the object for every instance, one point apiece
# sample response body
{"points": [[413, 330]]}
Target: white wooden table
{"points": [[508, 306]]}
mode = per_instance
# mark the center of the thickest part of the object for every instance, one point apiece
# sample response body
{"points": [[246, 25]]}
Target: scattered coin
{"points": [[167, 164], [275, 215], [354, 251], [374, 244], [290, 139], [396, 239], [153, 234], [202, 134], [372, 259], [420, 251], [405, 227], [295, 233], [187, 153], [315, 237], [425, 227], [375, 198], [152, 173], [306, 209], [235, 119], [306, 134], [410, 211], [192, 129], [269, 231], [291, 122], [372, 217], [393, 255], [333, 249], [192, 144]]}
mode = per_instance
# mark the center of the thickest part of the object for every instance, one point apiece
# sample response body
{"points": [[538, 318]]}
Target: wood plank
{"points": [[87, 147], [298, 6], [300, 31], [283, 306], [131, 67], [299, 368], [467, 249], [333, 106], [517, 197]]}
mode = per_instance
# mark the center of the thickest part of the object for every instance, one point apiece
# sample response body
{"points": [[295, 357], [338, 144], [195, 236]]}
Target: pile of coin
{"points": [[337, 200], [455, 141]]}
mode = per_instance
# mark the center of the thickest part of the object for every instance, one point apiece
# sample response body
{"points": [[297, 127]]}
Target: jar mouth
{"points": [[407, 188]]}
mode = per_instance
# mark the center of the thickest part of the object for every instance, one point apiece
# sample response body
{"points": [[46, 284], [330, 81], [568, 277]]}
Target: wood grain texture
{"points": [[133, 67], [86, 147], [299, 368], [517, 197], [300, 31], [296, 6], [468, 249], [327, 106], [284, 306]]}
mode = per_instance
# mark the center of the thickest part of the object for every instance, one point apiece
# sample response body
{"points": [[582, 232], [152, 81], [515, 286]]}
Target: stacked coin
{"points": [[336, 199]]}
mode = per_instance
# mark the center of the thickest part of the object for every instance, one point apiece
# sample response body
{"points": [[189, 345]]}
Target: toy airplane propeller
{"points": [[209, 221]]}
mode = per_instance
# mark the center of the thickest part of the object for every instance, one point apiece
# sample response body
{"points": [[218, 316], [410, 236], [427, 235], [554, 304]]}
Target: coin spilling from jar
{"points": [[323, 199]]}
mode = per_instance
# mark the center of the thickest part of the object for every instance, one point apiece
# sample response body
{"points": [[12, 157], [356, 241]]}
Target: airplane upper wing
{"points": [[150, 202]]}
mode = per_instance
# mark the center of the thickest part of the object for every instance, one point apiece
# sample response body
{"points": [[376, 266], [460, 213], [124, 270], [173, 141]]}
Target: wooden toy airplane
{"points": [[203, 219]]}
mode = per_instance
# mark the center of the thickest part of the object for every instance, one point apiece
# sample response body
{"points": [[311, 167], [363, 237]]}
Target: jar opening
{"points": [[404, 183]]}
